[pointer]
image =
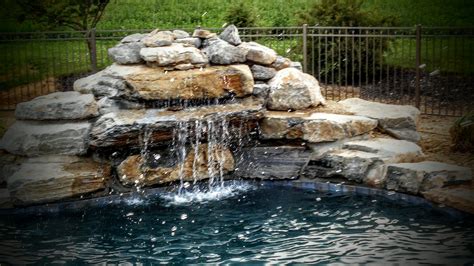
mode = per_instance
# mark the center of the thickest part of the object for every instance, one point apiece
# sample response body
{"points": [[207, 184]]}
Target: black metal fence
{"points": [[431, 68]]}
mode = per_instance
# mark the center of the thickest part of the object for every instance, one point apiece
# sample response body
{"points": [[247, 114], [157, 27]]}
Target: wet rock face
{"points": [[58, 106], [201, 163], [123, 128], [293, 89], [44, 179]]}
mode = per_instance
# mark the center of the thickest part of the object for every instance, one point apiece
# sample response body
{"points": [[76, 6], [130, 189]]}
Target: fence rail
{"points": [[429, 67]]}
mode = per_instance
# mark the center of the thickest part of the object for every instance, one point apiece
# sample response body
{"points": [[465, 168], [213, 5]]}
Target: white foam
{"points": [[203, 195]]}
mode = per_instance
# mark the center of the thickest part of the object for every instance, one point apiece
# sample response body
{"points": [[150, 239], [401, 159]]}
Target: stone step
{"points": [[423, 176], [400, 121], [314, 127], [124, 127]]}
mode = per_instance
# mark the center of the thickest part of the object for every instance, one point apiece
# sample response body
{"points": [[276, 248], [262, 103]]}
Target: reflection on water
{"points": [[243, 225]]}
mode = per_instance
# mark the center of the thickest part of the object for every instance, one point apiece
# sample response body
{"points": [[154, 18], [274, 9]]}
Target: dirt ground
{"points": [[436, 141]]}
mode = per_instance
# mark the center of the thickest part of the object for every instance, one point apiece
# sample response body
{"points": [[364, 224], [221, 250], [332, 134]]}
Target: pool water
{"points": [[252, 225]]}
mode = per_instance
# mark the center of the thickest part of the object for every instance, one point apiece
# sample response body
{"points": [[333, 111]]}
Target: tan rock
{"points": [[135, 171], [52, 179], [158, 38], [209, 82], [258, 53], [204, 34], [314, 127], [460, 197]]}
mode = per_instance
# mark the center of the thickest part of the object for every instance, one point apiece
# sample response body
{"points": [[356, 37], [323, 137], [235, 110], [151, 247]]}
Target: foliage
{"points": [[361, 54], [241, 15], [75, 14], [462, 133]]}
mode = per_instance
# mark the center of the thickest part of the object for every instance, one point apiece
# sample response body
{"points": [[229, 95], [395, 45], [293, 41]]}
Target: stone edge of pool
{"points": [[74, 206]]}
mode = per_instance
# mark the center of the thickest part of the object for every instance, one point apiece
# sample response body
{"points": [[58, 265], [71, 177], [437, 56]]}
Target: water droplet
{"points": [[129, 214], [157, 156], [174, 228], [184, 216], [374, 200], [186, 184], [318, 199], [163, 222], [216, 231], [153, 239]]}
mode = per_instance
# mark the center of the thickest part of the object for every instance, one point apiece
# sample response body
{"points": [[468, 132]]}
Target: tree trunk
{"points": [[91, 48]]}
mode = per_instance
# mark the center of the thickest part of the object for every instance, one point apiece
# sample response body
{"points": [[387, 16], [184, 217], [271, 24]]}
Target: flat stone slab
{"points": [[423, 176], [41, 181], [174, 54], [314, 127], [33, 138], [124, 127], [279, 162], [459, 197], [398, 120], [364, 160], [68, 105]]}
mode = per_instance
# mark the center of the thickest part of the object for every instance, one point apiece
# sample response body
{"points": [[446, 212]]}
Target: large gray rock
{"points": [[220, 52], [41, 181], [400, 121], [231, 35], [31, 138], [293, 89], [58, 106], [196, 42], [126, 53], [314, 127], [258, 53], [173, 55], [262, 73], [124, 128], [158, 39], [277, 162], [420, 177]]}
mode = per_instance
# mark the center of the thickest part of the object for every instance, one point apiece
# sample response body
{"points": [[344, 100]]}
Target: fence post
{"points": [[93, 50], [305, 47], [418, 64]]}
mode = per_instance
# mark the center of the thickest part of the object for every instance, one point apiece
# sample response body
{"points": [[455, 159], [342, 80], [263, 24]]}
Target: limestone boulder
{"points": [[173, 54], [136, 37], [293, 89], [126, 53], [281, 63], [180, 34], [102, 84], [209, 82], [258, 53], [158, 39], [231, 35], [400, 121], [69, 105], [220, 52], [314, 127], [459, 197], [262, 73], [274, 162], [124, 128], [203, 34], [201, 163], [42, 181], [423, 176], [31, 138], [192, 42]]}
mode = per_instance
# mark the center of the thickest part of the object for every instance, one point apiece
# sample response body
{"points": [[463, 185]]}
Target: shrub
{"points": [[240, 14], [362, 56], [462, 134]]}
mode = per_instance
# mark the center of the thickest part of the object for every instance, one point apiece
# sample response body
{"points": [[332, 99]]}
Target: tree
{"points": [[241, 15], [363, 53], [80, 15]]}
